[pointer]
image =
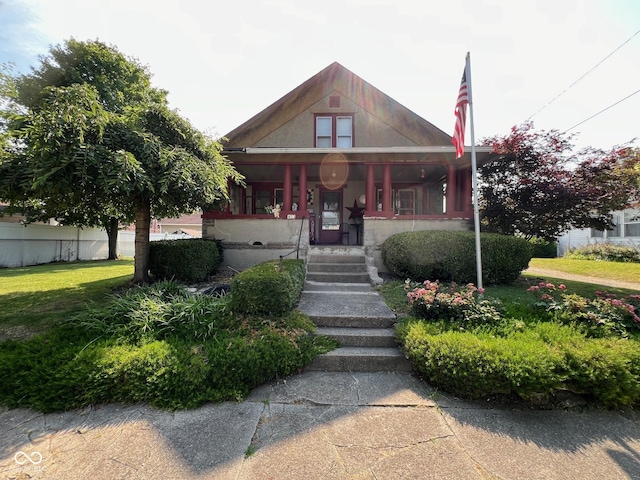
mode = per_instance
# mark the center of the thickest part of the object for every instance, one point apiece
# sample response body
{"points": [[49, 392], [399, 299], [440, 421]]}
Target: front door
{"points": [[330, 216]]}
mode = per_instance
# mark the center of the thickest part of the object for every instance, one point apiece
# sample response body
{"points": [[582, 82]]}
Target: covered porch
{"points": [[340, 190]]}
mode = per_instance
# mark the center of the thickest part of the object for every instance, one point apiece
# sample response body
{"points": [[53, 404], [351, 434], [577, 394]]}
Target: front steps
{"points": [[340, 300]]}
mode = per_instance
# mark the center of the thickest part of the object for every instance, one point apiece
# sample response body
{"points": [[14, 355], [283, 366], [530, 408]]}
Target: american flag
{"points": [[461, 116]]}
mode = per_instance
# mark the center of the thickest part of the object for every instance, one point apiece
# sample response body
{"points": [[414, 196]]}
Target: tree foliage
{"points": [[97, 146], [538, 187]]}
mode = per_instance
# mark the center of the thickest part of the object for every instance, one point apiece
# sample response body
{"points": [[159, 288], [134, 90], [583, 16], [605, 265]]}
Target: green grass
{"points": [[626, 272], [43, 295]]}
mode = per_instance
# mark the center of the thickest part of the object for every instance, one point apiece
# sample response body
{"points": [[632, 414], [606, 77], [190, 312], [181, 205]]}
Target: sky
{"points": [[225, 61]]}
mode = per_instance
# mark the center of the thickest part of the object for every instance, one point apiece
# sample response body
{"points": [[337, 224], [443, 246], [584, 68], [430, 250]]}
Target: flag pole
{"points": [[474, 174]]}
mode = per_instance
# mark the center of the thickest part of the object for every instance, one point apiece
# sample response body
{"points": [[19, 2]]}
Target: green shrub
{"points": [[605, 369], [187, 260], [265, 290], [607, 252], [529, 361], [605, 315], [157, 311], [474, 365], [449, 256], [543, 248]]}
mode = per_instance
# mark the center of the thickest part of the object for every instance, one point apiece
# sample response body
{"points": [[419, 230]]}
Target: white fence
{"points": [[35, 244]]}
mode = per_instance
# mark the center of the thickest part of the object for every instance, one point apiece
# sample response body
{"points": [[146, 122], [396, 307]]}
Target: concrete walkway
{"points": [[583, 278], [319, 425]]}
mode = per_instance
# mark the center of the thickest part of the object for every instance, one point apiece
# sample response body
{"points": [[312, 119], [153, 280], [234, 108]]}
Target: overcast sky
{"points": [[224, 61]]}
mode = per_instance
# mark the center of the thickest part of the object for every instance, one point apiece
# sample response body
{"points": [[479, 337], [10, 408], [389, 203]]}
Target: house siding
{"points": [[369, 130]]}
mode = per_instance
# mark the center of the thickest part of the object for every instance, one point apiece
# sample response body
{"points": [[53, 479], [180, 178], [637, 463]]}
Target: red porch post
{"points": [[302, 189], [451, 190], [370, 191], [387, 208], [287, 189]]}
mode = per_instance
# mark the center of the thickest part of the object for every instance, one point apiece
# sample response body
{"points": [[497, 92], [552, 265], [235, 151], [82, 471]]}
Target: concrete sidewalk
{"points": [[320, 425]]}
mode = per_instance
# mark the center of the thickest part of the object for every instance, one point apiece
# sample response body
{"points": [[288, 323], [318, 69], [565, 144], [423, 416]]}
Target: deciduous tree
{"points": [[539, 188], [81, 152]]}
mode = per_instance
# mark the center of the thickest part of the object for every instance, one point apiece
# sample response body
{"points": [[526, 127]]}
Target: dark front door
{"points": [[330, 216]]}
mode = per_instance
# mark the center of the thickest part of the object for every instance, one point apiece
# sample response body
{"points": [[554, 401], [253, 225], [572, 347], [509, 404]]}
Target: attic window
{"points": [[334, 101], [334, 131]]}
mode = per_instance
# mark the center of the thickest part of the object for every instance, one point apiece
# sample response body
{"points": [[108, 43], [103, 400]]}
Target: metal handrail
{"points": [[297, 249]]}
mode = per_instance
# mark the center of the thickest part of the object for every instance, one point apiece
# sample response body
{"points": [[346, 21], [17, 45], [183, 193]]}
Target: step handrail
{"points": [[297, 249]]}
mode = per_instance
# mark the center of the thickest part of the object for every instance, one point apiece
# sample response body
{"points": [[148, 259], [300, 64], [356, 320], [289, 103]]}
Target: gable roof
{"points": [[337, 78]]}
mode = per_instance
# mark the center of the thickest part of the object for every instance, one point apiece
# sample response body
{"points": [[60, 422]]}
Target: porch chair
{"points": [[344, 232]]}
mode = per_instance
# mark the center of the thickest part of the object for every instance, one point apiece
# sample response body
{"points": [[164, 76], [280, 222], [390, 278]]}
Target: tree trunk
{"points": [[143, 221], [111, 226]]}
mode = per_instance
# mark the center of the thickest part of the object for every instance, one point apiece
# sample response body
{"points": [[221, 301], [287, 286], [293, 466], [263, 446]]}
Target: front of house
{"points": [[626, 232], [338, 162]]}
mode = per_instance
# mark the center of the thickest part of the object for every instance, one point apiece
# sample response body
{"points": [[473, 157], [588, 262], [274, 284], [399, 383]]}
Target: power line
{"points": [[601, 111], [587, 73]]}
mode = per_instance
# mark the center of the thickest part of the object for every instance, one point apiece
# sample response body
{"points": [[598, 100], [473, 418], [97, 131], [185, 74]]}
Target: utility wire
{"points": [[571, 86], [601, 111]]}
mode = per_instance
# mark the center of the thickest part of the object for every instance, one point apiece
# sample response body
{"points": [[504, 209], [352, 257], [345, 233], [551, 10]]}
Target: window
{"points": [[627, 224], [343, 131], [334, 131], [631, 223], [323, 132], [403, 201]]}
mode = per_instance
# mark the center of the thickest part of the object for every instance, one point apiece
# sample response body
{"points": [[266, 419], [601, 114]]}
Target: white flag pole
{"points": [[474, 174]]}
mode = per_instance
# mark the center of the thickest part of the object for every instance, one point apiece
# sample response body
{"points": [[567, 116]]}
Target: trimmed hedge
{"points": [[449, 256], [264, 290], [187, 260], [543, 248], [530, 363]]}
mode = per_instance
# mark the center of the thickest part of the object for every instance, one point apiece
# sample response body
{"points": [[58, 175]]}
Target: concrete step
{"points": [[360, 337], [361, 359], [336, 259], [338, 277], [339, 288], [337, 267], [347, 321]]}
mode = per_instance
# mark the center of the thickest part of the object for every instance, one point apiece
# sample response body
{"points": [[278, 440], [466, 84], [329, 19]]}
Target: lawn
{"points": [[41, 296], [626, 272]]}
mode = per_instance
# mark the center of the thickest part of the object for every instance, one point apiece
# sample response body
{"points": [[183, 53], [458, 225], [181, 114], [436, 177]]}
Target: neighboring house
{"points": [[346, 164], [625, 232], [186, 224]]}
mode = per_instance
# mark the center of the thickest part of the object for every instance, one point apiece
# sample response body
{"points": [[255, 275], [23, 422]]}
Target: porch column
{"points": [[287, 189], [370, 190], [451, 190], [386, 189], [302, 189]]}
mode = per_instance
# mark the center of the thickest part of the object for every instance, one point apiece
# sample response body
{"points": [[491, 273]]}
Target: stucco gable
{"points": [[312, 94]]}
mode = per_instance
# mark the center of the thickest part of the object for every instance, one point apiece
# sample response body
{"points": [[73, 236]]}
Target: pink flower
{"points": [[562, 286]]}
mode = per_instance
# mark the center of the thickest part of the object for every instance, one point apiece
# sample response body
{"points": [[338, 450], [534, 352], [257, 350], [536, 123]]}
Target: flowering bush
{"points": [[602, 315], [462, 304], [605, 252]]}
